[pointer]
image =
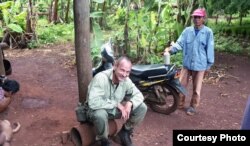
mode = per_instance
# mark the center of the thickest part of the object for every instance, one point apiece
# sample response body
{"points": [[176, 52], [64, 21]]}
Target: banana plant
{"points": [[13, 23], [97, 35], [13, 18], [153, 28]]}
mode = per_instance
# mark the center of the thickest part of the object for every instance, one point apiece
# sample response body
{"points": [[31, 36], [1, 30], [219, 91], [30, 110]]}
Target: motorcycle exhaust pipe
{"points": [[84, 134]]}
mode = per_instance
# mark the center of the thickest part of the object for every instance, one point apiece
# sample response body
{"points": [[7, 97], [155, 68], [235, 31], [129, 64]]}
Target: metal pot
{"points": [[84, 134]]}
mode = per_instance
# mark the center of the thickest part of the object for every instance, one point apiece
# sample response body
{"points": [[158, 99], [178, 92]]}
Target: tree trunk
{"points": [[138, 37], [241, 17], [126, 40], [157, 24], [67, 12], [82, 46], [102, 19], [229, 19], [216, 19], [188, 20], [28, 18], [62, 11], [55, 12], [50, 11], [179, 11]]}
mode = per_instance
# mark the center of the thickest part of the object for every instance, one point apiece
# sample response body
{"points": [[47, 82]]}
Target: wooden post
{"points": [[82, 46], [2, 69], [84, 134]]}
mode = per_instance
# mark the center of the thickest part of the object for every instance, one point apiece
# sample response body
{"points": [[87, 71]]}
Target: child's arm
{"points": [[4, 103]]}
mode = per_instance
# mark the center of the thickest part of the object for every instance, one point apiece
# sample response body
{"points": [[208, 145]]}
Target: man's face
{"points": [[198, 20], [122, 70]]}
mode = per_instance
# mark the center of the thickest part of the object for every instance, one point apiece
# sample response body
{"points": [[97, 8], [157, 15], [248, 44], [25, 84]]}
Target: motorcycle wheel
{"points": [[171, 100]]}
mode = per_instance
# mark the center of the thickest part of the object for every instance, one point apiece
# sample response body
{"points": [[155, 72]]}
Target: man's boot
{"points": [[123, 137]]}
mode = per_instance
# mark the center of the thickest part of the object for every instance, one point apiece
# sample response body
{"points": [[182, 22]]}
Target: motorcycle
{"points": [[159, 83]]}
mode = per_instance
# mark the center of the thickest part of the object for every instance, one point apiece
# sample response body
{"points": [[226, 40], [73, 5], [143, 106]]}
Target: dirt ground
{"points": [[45, 103]]}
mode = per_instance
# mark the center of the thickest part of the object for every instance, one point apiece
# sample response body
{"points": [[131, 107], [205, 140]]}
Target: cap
{"points": [[199, 12]]}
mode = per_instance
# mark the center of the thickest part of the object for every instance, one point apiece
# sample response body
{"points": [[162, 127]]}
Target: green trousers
{"points": [[100, 119]]}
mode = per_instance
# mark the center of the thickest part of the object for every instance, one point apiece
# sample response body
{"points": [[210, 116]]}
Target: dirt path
{"points": [[45, 104]]}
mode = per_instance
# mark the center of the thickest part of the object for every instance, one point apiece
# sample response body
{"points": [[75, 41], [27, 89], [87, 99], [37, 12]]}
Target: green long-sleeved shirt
{"points": [[103, 94]]}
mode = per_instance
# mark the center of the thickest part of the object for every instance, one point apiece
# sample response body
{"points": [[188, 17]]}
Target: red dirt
{"points": [[45, 103]]}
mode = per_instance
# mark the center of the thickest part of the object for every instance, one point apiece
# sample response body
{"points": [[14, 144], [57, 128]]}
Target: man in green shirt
{"points": [[112, 95]]}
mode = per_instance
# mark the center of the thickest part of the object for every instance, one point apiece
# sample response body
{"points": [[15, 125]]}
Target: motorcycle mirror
{"points": [[107, 52]]}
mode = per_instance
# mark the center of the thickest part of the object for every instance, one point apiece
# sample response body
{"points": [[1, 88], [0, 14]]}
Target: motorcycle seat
{"points": [[149, 71]]}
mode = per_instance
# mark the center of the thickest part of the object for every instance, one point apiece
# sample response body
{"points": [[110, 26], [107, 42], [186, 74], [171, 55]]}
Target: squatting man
{"points": [[112, 95], [213, 139]]}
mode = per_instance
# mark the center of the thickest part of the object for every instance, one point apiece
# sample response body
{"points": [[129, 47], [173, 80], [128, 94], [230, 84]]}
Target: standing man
{"points": [[112, 95], [197, 44]]}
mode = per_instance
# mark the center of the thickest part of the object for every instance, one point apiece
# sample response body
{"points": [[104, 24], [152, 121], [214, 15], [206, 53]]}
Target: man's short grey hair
{"points": [[122, 58]]}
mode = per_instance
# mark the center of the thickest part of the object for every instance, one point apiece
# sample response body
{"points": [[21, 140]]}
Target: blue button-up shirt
{"points": [[198, 50]]}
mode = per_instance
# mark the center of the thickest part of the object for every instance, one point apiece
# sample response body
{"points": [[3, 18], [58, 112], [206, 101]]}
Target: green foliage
{"points": [[95, 55], [177, 59], [42, 6], [233, 29], [158, 59], [33, 44], [248, 51], [99, 1], [228, 6], [148, 29], [15, 28], [20, 19], [151, 26], [6, 5], [154, 59], [228, 38], [150, 5], [96, 42], [13, 18], [1, 32], [119, 16], [50, 33], [96, 14], [236, 30], [6, 16], [228, 44], [15, 7]]}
